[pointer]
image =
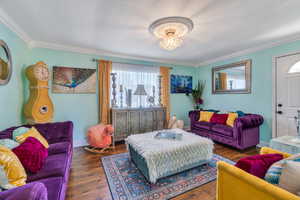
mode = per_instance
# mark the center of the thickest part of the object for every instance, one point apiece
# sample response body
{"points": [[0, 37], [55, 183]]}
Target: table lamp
{"points": [[140, 90]]}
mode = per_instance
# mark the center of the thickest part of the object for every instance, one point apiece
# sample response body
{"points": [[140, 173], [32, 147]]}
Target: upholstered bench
{"points": [[158, 158]]}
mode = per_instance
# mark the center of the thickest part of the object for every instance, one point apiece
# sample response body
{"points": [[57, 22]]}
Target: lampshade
{"points": [[140, 90]]}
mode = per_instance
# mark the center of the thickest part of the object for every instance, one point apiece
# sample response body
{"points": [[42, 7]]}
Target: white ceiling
{"points": [[120, 27]]}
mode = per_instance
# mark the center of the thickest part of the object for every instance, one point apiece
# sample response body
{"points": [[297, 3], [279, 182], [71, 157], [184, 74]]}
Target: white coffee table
{"points": [[286, 144]]}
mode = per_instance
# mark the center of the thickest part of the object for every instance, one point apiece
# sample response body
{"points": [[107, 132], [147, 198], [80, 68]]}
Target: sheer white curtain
{"points": [[129, 76]]}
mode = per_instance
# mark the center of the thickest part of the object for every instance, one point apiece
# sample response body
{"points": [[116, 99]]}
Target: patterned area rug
{"points": [[127, 183]]}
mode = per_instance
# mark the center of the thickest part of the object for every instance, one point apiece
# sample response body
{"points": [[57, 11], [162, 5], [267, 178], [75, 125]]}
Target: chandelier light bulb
{"points": [[171, 31]]}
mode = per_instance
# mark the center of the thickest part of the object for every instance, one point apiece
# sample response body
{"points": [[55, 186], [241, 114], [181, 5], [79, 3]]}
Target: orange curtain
{"points": [[165, 90], [223, 81], [104, 70]]}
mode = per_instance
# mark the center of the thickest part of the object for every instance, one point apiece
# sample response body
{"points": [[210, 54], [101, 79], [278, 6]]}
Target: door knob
{"points": [[279, 112], [279, 105]]}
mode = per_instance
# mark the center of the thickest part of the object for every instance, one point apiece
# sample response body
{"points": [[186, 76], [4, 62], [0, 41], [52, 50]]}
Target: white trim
{"points": [[75, 49], [250, 50], [274, 86], [6, 20]]}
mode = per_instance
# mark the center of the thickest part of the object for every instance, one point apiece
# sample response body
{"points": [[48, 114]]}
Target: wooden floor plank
{"points": [[88, 181]]}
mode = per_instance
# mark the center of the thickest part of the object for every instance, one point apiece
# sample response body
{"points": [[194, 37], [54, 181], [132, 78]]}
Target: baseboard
{"points": [[263, 144]]}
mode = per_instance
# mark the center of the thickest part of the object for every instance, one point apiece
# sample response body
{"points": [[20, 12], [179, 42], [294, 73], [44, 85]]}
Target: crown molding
{"points": [[90, 51], [6, 20], [250, 50]]}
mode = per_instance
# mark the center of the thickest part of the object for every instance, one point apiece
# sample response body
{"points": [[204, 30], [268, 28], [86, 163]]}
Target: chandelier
{"points": [[171, 31]]}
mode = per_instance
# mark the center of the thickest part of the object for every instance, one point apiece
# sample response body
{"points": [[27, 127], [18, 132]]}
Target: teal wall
{"points": [[11, 95], [260, 99], [82, 109]]}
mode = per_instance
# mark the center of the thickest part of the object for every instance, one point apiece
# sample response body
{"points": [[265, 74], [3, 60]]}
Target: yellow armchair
{"points": [[236, 184]]}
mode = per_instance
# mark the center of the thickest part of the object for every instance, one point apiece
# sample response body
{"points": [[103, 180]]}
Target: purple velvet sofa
{"points": [[50, 183], [244, 134]]}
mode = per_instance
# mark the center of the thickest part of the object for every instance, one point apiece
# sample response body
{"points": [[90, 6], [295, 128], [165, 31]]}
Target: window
{"points": [[295, 68], [129, 76]]}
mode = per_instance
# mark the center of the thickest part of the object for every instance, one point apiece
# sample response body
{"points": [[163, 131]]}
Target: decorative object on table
{"points": [[128, 121], [190, 151], [181, 84], [238, 75], [235, 136], [128, 97], [140, 91], [197, 93], [286, 144], [5, 63], [126, 181], [121, 96], [113, 86], [71, 80], [174, 123], [151, 101], [39, 107], [171, 31], [159, 90], [100, 138], [169, 135]]}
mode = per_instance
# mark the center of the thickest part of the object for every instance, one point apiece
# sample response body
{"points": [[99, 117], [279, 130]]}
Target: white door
{"points": [[287, 94]]}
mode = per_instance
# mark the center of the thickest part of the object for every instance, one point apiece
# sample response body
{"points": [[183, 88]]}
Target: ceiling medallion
{"points": [[171, 31]]}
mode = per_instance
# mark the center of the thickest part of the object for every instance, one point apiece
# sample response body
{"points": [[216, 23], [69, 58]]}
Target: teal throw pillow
{"points": [[8, 143], [19, 131]]}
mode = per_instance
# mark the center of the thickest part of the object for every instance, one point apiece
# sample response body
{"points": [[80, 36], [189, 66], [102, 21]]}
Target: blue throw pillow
{"points": [[8, 143], [274, 172], [240, 113], [19, 131]]}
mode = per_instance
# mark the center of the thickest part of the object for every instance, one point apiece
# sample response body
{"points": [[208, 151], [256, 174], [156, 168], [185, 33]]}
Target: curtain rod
{"points": [[96, 60]]}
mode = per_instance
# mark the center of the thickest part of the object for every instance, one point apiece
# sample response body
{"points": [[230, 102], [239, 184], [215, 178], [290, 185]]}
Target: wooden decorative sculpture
{"points": [[39, 107]]}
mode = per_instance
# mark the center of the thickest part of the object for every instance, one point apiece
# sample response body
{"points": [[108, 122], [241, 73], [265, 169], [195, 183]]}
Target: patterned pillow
{"points": [[8, 143], [274, 172]]}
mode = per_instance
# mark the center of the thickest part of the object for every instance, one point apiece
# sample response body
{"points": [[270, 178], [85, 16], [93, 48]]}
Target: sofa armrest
{"points": [[194, 115], [249, 186], [249, 121], [56, 132], [30, 191]]}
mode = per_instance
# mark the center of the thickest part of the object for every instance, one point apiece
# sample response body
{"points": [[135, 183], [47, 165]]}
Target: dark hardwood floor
{"points": [[88, 182]]}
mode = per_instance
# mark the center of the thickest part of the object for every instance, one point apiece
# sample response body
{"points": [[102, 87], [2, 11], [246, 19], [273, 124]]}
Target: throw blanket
{"points": [[164, 156]]}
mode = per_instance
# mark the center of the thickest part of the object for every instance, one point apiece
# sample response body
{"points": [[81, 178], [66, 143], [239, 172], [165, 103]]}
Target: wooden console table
{"points": [[127, 121]]}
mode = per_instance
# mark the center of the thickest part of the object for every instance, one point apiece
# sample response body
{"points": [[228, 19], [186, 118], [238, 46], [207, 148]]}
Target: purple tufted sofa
{"points": [[244, 134], [50, 183]]}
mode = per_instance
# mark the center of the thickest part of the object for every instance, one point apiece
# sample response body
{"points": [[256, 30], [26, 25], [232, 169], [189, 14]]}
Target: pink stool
{"points": [[100, 138]]}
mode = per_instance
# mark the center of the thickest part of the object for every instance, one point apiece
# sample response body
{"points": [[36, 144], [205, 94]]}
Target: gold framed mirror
{"points": [[234, 78], [5, 63]]}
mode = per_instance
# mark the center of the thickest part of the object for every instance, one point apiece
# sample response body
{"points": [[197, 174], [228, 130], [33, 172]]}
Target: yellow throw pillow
{"points": [[33, 133], [205, 116], [13, 168], [231, 119]]}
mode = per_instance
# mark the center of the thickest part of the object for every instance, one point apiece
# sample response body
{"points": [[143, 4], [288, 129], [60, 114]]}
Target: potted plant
{"points": [[196, 94]]}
